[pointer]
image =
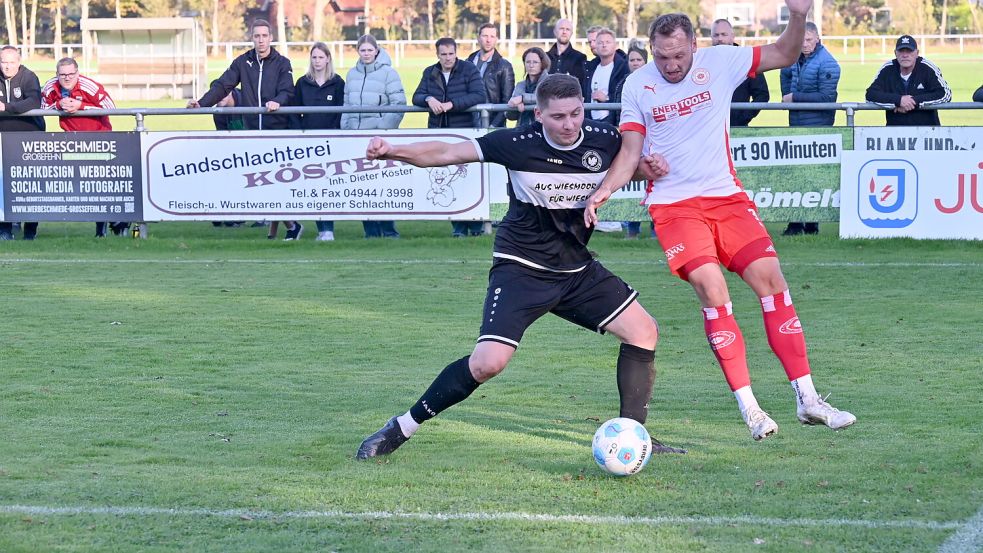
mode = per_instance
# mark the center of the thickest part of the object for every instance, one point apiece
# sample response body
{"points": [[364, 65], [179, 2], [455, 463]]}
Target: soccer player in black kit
{"points": [[541, 262]]}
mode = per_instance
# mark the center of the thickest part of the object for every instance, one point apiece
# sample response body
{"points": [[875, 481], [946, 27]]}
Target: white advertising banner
{"points": [[917, 139], [918, 194], [310, 175], [762, 151]]}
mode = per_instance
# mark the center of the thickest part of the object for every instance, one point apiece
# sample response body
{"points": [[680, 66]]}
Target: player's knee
{"points": [[486, 366], [712, 293], [646, 335]]}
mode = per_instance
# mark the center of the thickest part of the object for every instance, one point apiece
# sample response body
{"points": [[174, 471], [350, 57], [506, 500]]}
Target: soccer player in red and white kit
{"points": [[675, 130]]}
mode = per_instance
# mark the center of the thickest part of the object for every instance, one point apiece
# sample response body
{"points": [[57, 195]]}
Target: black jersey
{"points": [[548, 190]]}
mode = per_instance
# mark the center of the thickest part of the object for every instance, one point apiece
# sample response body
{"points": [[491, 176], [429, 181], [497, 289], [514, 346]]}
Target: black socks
{"points": [[453, 385], [636, 377]]}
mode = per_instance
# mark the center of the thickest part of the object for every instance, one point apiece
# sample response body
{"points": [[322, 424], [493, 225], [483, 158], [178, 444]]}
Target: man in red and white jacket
{"points": [[70, 92]]}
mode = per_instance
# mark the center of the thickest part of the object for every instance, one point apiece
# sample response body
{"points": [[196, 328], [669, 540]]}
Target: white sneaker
{"points": [[325, 236], [821, 412], [759, 423]]}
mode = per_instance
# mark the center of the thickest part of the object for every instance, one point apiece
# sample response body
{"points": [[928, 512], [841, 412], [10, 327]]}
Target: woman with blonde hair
{"points": [[319, 87], [373, 82]]}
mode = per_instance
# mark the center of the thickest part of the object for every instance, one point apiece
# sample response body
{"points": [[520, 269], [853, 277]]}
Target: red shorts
{"points": [[703, 230]]}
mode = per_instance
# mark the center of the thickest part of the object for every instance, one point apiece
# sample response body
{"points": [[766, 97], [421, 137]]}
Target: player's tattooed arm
{"points": [[432, 153]]}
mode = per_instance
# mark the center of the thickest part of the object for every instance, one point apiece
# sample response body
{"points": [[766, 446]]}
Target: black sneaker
{"points": [[294, 233], [385, 441], [659, 448]]}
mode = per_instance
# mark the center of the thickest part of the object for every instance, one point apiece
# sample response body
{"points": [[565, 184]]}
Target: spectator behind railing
{"points": [[537, 64], [266, 79], [496, 72], [813, 78], [753, 89], [447, 88], [373, 82], [228, 123], [907, 83], [70, 92], [604, 73], [319, 87], [978, 95], [20, 91], [637, 57], [564, 58]]}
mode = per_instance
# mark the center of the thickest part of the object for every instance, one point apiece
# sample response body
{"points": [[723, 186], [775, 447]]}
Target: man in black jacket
{"points": [[563, 57], [495, 71], [604, 73], [753, 89], [447, 88], [20, 91], [265, 76], [907, 83]]}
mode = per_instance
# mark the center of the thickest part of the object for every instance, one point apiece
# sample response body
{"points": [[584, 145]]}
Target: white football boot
{"points": [[759, 423], [820, 412]]}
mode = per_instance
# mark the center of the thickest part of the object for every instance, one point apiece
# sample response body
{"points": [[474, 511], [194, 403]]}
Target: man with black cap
{"points": [[907, 83]]}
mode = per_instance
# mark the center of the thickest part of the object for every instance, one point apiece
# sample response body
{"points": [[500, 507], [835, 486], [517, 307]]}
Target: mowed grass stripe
{"points": [[36, 510]]}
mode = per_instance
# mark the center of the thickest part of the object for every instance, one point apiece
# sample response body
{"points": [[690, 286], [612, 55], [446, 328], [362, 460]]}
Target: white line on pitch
{"points": [[483, 260], [516, 517], [969, 538]]}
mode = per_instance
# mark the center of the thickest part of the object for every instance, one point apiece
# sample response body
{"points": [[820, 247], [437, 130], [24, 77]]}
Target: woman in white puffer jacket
{"points": [[373, 82]]}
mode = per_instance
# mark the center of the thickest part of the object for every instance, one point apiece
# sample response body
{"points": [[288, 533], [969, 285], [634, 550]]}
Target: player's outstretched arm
{"points": [[423, 154], [786, 49], [621, 171]]}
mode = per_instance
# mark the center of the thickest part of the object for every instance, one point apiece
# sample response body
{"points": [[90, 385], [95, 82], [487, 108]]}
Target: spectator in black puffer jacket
{"points": [[495, 71], [265, 76], [449, 87]]}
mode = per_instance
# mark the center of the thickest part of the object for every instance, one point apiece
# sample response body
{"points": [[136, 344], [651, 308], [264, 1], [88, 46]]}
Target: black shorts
{"points": [[518, 295]]}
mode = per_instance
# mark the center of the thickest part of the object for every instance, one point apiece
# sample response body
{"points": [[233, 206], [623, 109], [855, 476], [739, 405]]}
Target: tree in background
{"points": [[652, 10]]}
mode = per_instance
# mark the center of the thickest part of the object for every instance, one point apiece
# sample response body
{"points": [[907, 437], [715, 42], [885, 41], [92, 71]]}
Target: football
{"points": [[622, 446]]}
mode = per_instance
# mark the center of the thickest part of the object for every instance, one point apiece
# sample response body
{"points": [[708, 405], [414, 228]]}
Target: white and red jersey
{"points": [[688, 122], [90, 93]]}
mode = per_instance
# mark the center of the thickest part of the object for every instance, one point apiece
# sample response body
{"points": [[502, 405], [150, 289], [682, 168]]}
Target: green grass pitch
{"points": [[205, 390]]}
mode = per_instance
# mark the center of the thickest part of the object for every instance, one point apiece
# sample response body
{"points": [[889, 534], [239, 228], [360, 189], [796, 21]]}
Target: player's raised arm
{"points": [[432, 153], [622, 170], [786, 49]]}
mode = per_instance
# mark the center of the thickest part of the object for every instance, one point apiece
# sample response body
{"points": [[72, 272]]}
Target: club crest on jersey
{"points": [[791, 326], [591, 160], [17, 92], [701, 76]]}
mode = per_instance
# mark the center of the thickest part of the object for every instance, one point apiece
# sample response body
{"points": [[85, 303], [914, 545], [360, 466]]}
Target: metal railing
{"points": [[139, 114]]}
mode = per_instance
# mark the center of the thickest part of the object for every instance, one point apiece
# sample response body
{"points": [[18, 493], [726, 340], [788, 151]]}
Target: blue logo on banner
{"points": [[887, 193]]}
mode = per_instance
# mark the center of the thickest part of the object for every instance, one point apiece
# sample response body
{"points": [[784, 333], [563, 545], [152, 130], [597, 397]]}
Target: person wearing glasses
{"points": [[70, 92]]}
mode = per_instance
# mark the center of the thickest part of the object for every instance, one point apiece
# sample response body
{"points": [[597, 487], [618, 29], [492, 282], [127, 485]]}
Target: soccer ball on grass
{"points": [[622, 446]]}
